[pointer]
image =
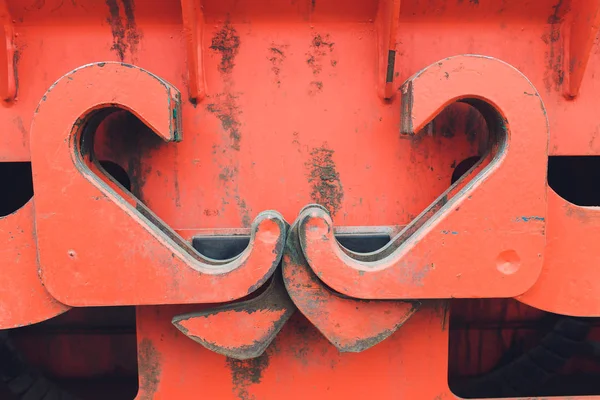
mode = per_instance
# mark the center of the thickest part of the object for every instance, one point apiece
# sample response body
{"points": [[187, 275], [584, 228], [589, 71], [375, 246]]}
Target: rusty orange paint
{"points": [[241, 330], [437, 260], [300, 358], [351, 325], [147, 262], [8, 78], [23, 298], [284, 110], [573, 292]]}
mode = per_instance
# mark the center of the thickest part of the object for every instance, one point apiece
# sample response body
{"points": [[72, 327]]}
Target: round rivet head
{"points": [[508, 262]]}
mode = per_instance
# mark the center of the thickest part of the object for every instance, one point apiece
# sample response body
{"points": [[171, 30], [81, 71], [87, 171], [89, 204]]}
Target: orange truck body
{"points": [[293, 125]]}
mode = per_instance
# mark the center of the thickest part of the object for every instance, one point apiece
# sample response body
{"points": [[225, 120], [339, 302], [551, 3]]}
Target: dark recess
{"points": [[226, 247], [575, 178], [363, 243], [17, 186], [118, 173], [27, 355], [542, 355], [463, 167]]}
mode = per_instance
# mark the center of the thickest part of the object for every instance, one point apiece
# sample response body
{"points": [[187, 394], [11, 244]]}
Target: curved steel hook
{"points": [[241, 330], [97, 247], [351, 325], [482, 238]]}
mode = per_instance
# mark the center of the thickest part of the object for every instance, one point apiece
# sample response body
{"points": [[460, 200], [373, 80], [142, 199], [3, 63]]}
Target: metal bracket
{"points": [[113, 250], [351, 325], [8, 80], [582, 29], [477, 239], [387, 22], [193, 27]]}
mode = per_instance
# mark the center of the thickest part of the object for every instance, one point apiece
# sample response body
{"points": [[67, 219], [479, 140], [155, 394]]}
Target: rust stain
{"points": [[449, 123], [150, 369], [224, 106], [126, 36], [306, 336], [21, 127], [176, 179], [16, 59], [226, 109], [244, 210], [554, 73], [133, 35], [474, 123], [327, 187], [227, 42], [276, 57], [211, 212], [130, 143], [315, 87], [228, 176], [245, 373], [320, 47]]}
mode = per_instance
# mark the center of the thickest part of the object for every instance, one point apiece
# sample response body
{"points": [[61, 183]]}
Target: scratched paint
{"points": [[531, 218], [327, 189], [150, 369]]}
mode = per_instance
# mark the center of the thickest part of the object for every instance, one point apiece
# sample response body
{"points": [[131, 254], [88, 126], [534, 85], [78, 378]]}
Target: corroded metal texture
{"points": [[437, 260], [351, 325], [438, 117], [241, 330]]}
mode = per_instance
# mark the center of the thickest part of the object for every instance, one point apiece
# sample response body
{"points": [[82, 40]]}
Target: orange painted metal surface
{"points": [[241, 330], [351, 325], [573, 293], [339, 115], [148, 263], [433, 260], [23, 298], [8, 78], [300, 358]]}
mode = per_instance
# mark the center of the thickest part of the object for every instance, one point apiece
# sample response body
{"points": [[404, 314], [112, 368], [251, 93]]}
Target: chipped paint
{"points": [[531, 218], [327, 189], [150, 369], [351, 325], [126, 35], [246, 373], [257, 322], [227, 42]]}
